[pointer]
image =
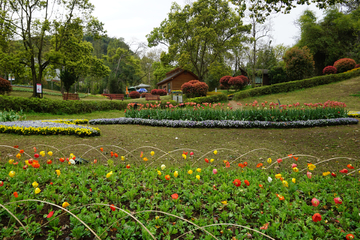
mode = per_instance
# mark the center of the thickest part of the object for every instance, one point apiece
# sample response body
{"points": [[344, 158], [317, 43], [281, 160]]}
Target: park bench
{"points": [[115, 96], [149, 97], [71, 96]]}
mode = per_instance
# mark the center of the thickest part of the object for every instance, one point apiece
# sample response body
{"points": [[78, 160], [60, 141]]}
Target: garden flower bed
{"points": [[122, 195], [49, 127]]}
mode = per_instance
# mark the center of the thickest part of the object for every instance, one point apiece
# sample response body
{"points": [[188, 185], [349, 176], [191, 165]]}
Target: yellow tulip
{"points": [[211, 160], [152, 153], [11, 173], [65, 204], [50, 153], [269, 160], [109, 174], [190, 171], [215, 152], [198, 170], [58, 172], [122, 158], [176, 174], [35, 184], [285, 183], [159, 173], [37, 190], [11, 161], [293, 180], [311, 167], [163, 167], [184, 156], [224, 202], [18, 156], [198, 177], [42, 153], [295, 169], [326, 173], [278, 176]]}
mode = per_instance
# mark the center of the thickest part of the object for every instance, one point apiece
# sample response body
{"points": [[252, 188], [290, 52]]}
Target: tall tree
{"points": [[199, 34], [33, 21]]}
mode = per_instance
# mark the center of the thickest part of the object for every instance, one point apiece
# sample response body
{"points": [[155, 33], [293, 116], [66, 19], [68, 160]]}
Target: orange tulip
{"points": [[259, 165]]}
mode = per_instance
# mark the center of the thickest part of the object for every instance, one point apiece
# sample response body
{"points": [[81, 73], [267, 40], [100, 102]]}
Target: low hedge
{"points": [[296, 85], [45, 105], [209, 99]]}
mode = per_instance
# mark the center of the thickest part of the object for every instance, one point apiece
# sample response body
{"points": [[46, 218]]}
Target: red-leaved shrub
{"points": [[239, 82], [134, 94], [329, 70], [225, 81], [5, 86], [143, 94], [344, 64], [357, 65], [194, 88], [160, 92]]}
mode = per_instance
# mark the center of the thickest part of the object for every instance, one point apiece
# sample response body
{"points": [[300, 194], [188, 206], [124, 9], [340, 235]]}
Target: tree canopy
{"points": [[199, 34]]}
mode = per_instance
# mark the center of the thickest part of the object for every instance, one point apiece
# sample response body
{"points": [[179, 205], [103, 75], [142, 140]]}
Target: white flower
{"points": [[176, 138], [269, 179], [163, 167], [72, 161]]}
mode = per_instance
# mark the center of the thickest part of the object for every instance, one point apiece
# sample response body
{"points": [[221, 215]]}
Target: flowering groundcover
{"points": [[49, 127], [128, 198]]}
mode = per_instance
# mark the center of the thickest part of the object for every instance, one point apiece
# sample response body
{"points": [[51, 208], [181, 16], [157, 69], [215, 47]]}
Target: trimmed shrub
{"points": [[329, 70], [46, 105], [5, 86], [239, 82], [143, 95], [209, 99], [277, 74], [357, 65], [194, 88], [344, 64], [224, 81], [296, 85], [134, 94], [160, 92], [299, 63]]}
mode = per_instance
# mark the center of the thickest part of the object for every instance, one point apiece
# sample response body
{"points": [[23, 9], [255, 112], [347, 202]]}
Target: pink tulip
{"points": [[309, 175], [215, 171], [293, 165], [191, 153], [279, 160], [315, 202], [337, 200]]}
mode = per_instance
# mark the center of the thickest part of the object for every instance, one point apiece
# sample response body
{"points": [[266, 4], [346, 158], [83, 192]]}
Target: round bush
{"points": [[329, 70], [134, 94], [239, 82], [160, 92], [5, 86], [194, 88], [225, 81], [143, 95], [344, 64]]}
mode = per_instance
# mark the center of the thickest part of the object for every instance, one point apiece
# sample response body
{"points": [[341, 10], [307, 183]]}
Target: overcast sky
{"points": [[133, 19]]}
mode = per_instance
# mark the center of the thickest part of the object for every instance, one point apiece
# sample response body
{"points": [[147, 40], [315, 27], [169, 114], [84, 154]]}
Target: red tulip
{"points": [[101, 149], [241, 165], [333, 174], [116, 155], [167, 177], [245, 164], [315, 202], [49, 161], [36, 155], [293, 165], [206, 160], [175, 196], [1, 183], [350, 236], [316, 217], [350, 166], [344, 171], [259, 165], [128, 166], [16, 146], [237, 182], [265, 226], [25, 167], [112, 207], [16, 194], [30, 161], [62, 159], [50, 214], [337, 200], [247, 183], [51, 183], [227, 164], [279, 160], [309, 175], [191, 153]]}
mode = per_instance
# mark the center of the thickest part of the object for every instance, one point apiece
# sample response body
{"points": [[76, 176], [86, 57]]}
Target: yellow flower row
{"points": [[49, 130], [354, 113]]}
